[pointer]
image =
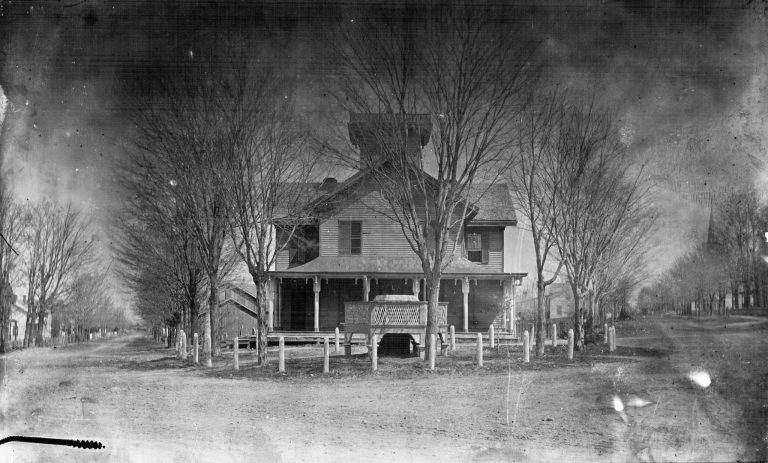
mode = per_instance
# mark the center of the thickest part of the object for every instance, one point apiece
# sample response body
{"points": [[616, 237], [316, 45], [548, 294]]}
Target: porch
{"points": [[317, 303]]}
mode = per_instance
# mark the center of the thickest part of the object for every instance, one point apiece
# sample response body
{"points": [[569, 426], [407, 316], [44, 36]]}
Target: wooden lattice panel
{"points": [[395, 315]]}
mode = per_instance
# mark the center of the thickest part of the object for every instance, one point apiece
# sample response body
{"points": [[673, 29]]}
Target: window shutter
{"points": [[485, 245], [356, 238], [345, 238]]}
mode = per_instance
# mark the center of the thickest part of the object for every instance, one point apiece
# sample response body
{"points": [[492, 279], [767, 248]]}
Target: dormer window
{"points": [[350, 238], [476, 245]]}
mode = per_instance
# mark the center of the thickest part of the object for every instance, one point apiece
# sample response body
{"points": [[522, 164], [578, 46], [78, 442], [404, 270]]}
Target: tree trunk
{"points": [[263, 323], [193, 312], [578, 323], [29, 340], [747, 294], [211, 334], [171, 336], [433, 297], [540, 316], [40, 326]]}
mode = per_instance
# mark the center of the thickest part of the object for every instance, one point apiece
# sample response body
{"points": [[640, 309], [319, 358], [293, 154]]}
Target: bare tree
{"points": [[189, 127], [266, 186], [739, 235], [453, 74], [12, 226], [597, 196], [57, 246], [622, 266], [87, 304], [149, 254], [155, 242], [535, 197]]}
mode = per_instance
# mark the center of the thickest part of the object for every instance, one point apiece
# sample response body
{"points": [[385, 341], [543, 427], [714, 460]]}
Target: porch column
{"points": [[270, 304], [465, 290], [366, 288], [416, 286], [316, 289], [509, 304], [279, 289]]}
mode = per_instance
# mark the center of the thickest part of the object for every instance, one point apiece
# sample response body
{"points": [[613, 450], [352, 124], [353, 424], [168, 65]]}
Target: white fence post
{"points": [[281, 355], [554, 335], [336, 332], [183, 345], [374, 352], [570, 344], [526, 347], [453, 338], [492, 336], [197, 348], [479, 349], [236, 353], [326, 355]]}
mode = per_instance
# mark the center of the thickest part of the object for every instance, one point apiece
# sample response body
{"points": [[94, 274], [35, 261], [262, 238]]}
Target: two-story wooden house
{"points": [[352, 251]]}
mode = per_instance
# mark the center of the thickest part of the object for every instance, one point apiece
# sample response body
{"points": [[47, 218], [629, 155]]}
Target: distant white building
{"points": [[18, 323]]}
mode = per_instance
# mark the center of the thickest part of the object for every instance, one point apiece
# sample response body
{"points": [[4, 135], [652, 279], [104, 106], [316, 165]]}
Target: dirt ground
{"points": [[140, 401]]}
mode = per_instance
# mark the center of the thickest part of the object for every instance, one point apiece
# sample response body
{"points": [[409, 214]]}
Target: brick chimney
{"points": [[381, 135]]}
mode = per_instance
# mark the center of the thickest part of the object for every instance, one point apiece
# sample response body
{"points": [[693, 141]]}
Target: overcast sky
{"points": [[687, 79]]}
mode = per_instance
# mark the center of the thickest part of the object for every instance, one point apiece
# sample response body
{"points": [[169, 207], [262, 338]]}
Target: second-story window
{"points": [[350, 238], [476, 245]]}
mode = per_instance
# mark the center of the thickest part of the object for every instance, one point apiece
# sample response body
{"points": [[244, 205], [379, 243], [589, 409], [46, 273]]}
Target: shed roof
{"points": [[387, 265]]}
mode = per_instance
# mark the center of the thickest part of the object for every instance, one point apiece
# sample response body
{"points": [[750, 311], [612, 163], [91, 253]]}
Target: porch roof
{"points": [[387, 265]]}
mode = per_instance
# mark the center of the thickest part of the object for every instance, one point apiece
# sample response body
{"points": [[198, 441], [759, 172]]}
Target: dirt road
{"points": [[145, 405]]}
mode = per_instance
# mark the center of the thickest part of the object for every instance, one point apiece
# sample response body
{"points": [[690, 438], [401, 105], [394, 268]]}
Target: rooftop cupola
{"points": [[379, 136]]}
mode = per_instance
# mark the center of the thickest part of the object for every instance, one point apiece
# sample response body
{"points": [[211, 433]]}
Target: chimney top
{"points": [[329, 183]]}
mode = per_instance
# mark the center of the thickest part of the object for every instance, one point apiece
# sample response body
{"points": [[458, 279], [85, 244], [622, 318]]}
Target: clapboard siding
{"points": [[495, 251], [281, 260], [382, 236]]}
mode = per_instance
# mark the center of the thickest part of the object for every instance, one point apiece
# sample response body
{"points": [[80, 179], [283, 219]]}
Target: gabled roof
{"points": [[327, 198], [492, 204]]}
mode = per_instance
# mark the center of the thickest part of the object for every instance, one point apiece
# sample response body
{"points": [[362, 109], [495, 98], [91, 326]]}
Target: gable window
{"points": [[476, 244], [350, 238]]}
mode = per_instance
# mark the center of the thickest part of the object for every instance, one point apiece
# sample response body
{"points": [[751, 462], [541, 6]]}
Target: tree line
{"points": [[48, 250], [730, 262]]}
